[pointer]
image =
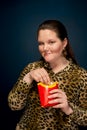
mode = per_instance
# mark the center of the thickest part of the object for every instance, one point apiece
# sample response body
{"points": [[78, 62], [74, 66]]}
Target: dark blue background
{"points": [[18, 46]]}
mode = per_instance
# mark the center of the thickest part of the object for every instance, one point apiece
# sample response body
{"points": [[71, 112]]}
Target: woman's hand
{"points": [[60, 97], [39, 75]]}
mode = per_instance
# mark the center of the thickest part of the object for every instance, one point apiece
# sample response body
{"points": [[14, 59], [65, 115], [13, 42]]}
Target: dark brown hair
{"points": [[61, 32]]}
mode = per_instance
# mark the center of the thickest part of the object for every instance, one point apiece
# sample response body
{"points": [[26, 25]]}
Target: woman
{"points": [[57, 64]]}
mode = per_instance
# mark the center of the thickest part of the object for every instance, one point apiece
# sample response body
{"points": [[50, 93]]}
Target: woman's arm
{"points": [[73, 112], [17, 96]]}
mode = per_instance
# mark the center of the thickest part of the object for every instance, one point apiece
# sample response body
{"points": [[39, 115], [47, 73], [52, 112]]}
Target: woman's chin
{"points": [[47, 60]]}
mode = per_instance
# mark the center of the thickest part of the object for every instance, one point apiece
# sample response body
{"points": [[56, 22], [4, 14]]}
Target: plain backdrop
{"points": [[19, 20]]}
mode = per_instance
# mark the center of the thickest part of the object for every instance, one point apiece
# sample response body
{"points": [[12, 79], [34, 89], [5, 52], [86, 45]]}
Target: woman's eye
{"points": [[40, 43], [51, 42]]}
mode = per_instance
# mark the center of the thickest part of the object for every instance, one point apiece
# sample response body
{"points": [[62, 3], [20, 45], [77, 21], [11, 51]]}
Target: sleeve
{"points": [[18, 95], [79, 115]]}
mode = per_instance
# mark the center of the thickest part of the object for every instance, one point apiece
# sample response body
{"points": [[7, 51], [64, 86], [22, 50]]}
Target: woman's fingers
{"points": [[55, 91], [59, 97], [40, 75], [45, 76]]}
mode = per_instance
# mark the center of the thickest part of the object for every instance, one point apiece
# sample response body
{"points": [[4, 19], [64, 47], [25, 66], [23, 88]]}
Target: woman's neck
{"points": [[59, 65]]}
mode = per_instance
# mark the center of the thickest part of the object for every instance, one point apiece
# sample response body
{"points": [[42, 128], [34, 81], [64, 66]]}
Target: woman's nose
{"points": [[45, 47]]}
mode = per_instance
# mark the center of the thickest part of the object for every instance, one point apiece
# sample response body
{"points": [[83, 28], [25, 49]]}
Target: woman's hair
{"points": [[61, 32]]}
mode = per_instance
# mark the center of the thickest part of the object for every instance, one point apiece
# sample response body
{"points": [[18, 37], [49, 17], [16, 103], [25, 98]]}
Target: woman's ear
{"points": [[65, 42]]}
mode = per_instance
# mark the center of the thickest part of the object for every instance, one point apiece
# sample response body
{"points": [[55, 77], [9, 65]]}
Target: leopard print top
{"points": [[72, 80]]}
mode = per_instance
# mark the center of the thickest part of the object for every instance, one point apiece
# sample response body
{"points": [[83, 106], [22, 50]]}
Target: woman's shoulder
{"points": [[79, 68], [32, 66], [35, 64]]}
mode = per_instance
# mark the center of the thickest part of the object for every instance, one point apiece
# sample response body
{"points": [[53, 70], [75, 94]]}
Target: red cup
{"points": [[43, 90]]}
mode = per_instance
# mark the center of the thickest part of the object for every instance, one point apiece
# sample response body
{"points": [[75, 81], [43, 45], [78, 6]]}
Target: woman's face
{"points": [[50, 46]]}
